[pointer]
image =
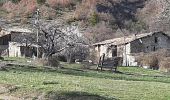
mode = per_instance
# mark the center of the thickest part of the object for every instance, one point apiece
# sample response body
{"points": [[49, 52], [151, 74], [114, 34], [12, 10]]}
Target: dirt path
{"points": [[4, 92], [4, 97]]}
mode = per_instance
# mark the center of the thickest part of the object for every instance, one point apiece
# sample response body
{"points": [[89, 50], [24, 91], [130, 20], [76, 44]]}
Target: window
{"points": [[147, 49], [156, 39], [154, 48]]}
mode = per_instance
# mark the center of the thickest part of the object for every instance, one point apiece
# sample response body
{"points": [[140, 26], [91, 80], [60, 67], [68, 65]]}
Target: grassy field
{"points": [[72, 82]]}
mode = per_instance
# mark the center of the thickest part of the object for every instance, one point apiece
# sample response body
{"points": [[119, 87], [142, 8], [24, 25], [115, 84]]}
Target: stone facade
{"points": [[126, 47], [14, 50], [20, 50]]}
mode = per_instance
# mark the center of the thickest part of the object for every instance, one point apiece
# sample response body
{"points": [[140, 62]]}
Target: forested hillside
{"points": [[99, 19]]}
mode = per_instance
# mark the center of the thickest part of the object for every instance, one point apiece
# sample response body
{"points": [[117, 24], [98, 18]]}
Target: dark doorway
{"points": [[114, 51]]}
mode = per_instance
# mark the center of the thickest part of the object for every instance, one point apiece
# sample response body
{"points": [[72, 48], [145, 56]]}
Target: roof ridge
{"points": [[128, 38]]}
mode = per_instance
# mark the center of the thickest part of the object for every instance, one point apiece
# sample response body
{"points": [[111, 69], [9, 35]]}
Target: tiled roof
{"points": [[127, 39], [21, 30], [4, 32]]}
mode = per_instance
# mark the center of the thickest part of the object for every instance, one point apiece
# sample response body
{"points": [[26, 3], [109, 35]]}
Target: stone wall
{"points": [[14, 49], [124, 52], [150, 43]]}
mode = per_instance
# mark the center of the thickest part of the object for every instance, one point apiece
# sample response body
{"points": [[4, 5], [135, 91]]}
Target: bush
{"points": [[71, 20], [93, 56], [162, 53], [154, 60], [41, 1], [15, 1], [47, 13], [40, 62], [94, 19], [151, 61], [164, 65], [23, 7], [1, 58], [59, 3], [51, 61]]}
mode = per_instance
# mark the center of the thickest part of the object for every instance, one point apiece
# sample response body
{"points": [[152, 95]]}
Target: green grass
{"points": [[130, 83], [16, 59]]}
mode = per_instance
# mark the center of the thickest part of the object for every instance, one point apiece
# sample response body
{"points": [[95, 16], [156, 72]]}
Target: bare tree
{"points": [[55, 38]]}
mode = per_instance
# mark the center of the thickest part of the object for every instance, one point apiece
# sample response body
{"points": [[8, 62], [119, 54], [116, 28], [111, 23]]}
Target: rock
{"points": [[77, 61], [146, 67], [29, 61], [90, 61]]}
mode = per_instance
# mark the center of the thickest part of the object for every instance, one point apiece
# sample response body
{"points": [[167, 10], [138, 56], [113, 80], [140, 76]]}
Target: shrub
{"points": [[47, 12], [40, 62], [51, 61], [94, 19], [93, 56], [9, 6], [15, 1], [24, 7], [85, 9], [154, 60], [1, 58], [164, 65], [71, 20], [151, 61], [139, 58], [59, 3], [162, 53], [41, 1], [62, 58]]}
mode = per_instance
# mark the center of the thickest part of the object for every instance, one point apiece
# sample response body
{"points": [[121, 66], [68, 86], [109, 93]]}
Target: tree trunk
{"points": [[69, 58], [25, 52]]}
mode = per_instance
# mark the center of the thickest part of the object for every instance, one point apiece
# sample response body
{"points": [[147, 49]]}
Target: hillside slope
{"points": [[101, 19]]}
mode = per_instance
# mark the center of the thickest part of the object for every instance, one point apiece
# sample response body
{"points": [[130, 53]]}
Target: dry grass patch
{"points": [[7, 88], [51, 61], [154, 60], [164, 65]]}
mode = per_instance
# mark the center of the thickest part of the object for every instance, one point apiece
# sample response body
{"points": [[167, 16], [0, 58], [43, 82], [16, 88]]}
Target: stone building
{"points": [[16, 49], [127, 47], [10, 45]]}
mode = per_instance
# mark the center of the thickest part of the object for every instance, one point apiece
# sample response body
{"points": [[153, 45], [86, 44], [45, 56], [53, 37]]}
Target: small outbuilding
{"points": [[11, 45]]}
